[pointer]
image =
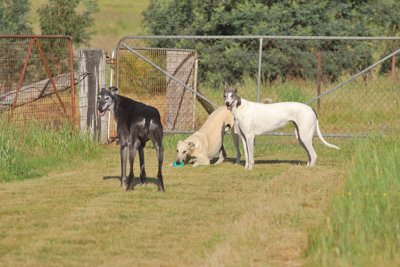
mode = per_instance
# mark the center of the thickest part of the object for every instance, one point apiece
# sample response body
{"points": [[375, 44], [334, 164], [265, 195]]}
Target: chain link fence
{"points": [[37, 79], [365, 99]]}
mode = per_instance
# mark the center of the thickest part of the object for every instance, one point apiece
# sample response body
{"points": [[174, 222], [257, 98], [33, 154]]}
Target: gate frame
{"points": [[261, 38], [35, 39]]}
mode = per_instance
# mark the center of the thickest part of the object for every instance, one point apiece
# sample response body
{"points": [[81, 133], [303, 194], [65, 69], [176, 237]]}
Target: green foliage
{"points": [[32, 151], [363, 225], [14, 17], [266, 17], [59, 17], [13, 21]]}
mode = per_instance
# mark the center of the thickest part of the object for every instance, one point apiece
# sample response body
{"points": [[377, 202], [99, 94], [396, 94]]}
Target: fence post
{"points": [[93, 63], [259, 69], [319, 78]]}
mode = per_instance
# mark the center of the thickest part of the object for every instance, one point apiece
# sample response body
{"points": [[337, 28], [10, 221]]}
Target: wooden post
{"points": [[179, 101], [93, 63]]}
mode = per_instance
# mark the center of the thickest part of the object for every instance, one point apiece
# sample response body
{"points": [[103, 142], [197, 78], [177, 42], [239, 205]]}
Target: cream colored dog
{"points": [[204, 144]]}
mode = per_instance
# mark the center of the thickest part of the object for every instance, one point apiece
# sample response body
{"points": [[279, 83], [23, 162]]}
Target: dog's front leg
{"points": [[250, 148], [132, 153], [201, 161], [123, 151], [246, 153]]}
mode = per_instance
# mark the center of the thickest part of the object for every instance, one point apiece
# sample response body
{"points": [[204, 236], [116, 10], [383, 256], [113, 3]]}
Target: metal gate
{"points": [[293, 68], [162, 77], [37, 79]]}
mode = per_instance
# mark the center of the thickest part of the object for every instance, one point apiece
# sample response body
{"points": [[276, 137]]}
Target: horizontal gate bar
{"points": [[169, 75]]}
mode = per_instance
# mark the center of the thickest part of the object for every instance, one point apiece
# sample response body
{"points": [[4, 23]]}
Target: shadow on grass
{"points": [[136, 181], [273, 161]]}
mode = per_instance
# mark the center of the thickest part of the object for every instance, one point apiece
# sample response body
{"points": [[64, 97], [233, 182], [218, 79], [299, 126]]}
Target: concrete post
{"points": [[92, 62]]}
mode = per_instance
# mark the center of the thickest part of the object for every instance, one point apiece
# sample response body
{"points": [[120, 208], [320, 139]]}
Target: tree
{"points": [[13, 21], [59, 17], [14, 17], [274, 17]]}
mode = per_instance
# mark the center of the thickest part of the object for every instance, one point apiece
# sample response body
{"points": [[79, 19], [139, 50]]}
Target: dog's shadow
{"points": [[136, 180], [273, 161]]}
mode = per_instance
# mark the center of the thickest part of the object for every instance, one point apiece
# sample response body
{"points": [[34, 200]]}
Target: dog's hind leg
{"points": [[160, 156], [305, 137], [235, 138], [142, 166], [156, 137], [222, 155], [246, 151]]}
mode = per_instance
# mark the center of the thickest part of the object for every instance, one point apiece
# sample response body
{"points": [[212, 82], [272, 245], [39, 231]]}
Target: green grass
{"points": [[362, 228], [34, 150], [279, 213]]}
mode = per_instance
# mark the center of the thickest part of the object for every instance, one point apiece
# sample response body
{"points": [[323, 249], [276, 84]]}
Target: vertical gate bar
{"points": [[22, 75], [259, 70], [319, 78], [72, 78], [50, 77], [195, 88]]}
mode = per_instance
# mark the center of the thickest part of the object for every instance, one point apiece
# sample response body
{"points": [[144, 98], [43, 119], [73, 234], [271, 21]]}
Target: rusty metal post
{"points": [[49, 75], [22, 76]]}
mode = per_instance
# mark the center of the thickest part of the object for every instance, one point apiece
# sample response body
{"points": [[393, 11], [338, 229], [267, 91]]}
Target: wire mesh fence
{"points": [[276, 69], [36, 79]]}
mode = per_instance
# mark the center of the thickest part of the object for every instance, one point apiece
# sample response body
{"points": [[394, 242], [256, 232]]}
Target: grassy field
{"points": [[342, 212], [114, 20], [210, 215]]}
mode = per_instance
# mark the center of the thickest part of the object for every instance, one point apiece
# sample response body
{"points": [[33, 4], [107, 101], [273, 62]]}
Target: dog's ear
{"points": [[113, 90], [238, 101], [226, 86], [191, 145], [235, 89]]}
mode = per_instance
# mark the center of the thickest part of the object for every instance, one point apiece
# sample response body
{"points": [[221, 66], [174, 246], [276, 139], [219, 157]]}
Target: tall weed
{"points": [[33, 150], [363, 226]]}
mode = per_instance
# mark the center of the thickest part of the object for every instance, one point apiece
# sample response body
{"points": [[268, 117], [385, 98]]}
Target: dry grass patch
{"points": [[210, 215]]}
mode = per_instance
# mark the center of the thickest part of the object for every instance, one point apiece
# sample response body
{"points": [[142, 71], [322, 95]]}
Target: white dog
{"points": [[253, 119], [204, 144]]}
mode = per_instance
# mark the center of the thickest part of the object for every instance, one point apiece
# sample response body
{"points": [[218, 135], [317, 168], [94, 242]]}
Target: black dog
{"points": [[136, 124]]}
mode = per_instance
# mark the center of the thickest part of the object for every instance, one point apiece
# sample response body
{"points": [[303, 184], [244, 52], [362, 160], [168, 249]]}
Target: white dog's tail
{"points": [[323, 140]]}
